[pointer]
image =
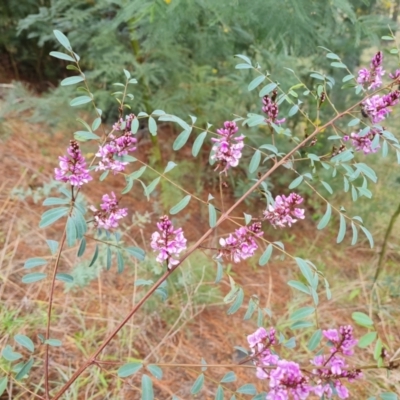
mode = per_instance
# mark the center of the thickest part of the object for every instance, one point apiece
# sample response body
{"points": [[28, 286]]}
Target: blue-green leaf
{"points": [[155, 370], [255, 82], [338, 65], [78, 101], [62, 56], [220, 272], [24, 370], [147, 388], [362, 319], [237, 303], [388, 396], [266, 255], [83, 136], [136, 252], [181, 140], [314, 340], [129, 369], [3, 384], [212, 215], [219, 395], [302, 313], [355, 234], [293, 110], [95, 255], [255, 161], [198, 384], [72, 80], [25, 342], [35, 277], [198, 143], [149, 189], [243, 66], [367, 339], [71, 232], [62, 39], [296, 182], [120, 262], [342, 229], [53, 342], [152, 126], [169, 166], [53, 215], [299, 286], [34, 262], [305, 270], [9, 354], [53, 245], [325, 219], [55, 201], [82, 248], [267, 89], [354, 122], [228, 377], [327, 187], [248, 388], [368, 235], [67, 278], [301, 325], [181, 205]]}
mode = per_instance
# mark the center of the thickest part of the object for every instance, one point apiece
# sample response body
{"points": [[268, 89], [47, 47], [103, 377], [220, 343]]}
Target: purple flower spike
{"points": [[270, 107], [284, 212], [169, 242], [73, 167], [228, 149], [377, 107], [109, 214], [372, 77], [117, 147], [241, 244]]}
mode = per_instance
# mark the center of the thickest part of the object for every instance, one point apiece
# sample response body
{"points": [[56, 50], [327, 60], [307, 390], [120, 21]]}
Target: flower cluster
{"points": [[228, 149], [109, 214], [270, 107], [117, 147], [377, 107], [372, 76], [73, 167], [168, 242], [284, 211], [241, 244], [286, 379], [363, 143]]}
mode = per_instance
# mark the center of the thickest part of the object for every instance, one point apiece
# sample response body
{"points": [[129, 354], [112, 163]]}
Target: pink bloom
{"points": [[117, 147], [284, 211], [169, 242], [270, 107], [363, 143], [377, 107], [374, 74], [241, 244], [396, 75], [73, 167], [109, 214], [227, 148]]}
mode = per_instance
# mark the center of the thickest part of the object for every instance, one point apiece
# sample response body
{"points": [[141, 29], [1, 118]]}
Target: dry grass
{"points": [[184, 329]]}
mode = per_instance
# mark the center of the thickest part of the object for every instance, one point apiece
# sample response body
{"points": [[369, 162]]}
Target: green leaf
{"points": [[388, 396], [137, 174], [3, 384], [96, 123], [367, 171], [129, 369], [149, 189], [152, 126], [291, 343], [82, 248], [301, 325], [34, 262], [198, 143], [243, 66], [354, 122], [9, 354], [378, 349], [53, 245], [355, 234], [325, 219], [306, 271], [24, 370], [136, 252], [212, 215], [342, 229], [333, 56], [120, 262], [67, 278], [169, 166], [362, 319], [71, 232], [55, 201], [174, 118], [83, 136], [198, 384], [348, 78], [219, 395], [95, 255], [127, 74], [255, 161], [53, 342], [220, 272], [108, 259], [302, 313], [228, 377], [25, 342], [327, 187], [62, 56], [181, 140], [62, 39], [72, 80], [35, 277], [293, 110], [237, 303], [368, 235], [53, 215], [367, 339], [267, 89], [181, 205], [387, 38], [296, 182], [314, 340], [155, 370], [338, 65], [244, 58], [255, 82], [248, 388], [299, 286], [80, 100], [266, 255]]}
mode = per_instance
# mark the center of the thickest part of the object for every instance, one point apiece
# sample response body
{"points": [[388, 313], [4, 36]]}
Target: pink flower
{"points": [[363, 143], [241, 244], [396, 75], [117, 147], [284, 211], [169, 242], [374, 74], [109, 214], [270, 107], [228, 149], [377, 107], [73, 167]]}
